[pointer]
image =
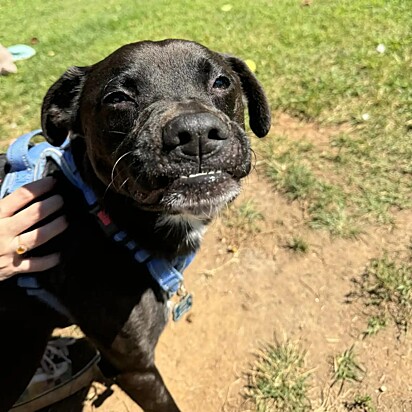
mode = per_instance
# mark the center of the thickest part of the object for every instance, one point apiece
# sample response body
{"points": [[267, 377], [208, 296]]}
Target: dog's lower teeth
{"points": [[197, 175], [212, 172]]}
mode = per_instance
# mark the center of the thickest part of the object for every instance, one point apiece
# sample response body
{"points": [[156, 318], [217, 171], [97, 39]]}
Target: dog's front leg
{"points": [[128, 358], [147, 388]]}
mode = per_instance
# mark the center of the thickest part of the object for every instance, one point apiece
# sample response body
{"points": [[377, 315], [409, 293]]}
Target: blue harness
{"points": [[28, 162]]}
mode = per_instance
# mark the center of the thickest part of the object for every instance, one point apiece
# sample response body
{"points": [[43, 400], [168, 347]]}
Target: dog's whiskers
{"points": [[113, 176], [117, 162], [125, 181], [116, 132], [112, 184]]}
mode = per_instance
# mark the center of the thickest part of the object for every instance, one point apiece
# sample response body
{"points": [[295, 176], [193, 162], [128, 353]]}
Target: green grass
{"points": [[278, 381], [346, 368], [385, 288], [375, 324], [318, 63], [298, 245], [361, 403], [243, 220], [327, 204]]}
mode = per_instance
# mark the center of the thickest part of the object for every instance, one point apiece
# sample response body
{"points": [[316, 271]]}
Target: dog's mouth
{"points": [[199, 194], [182, 162]]}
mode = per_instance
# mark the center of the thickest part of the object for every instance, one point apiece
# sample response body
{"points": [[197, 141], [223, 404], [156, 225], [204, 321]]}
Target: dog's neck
{"points": [[162, 234], [186, 229]]}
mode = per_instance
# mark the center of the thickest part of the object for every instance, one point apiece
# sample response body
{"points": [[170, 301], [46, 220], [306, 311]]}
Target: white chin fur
{"points": [[193, 225]]}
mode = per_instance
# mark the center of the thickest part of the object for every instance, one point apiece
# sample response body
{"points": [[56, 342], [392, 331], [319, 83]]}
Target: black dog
{"points": [[157, 131]]}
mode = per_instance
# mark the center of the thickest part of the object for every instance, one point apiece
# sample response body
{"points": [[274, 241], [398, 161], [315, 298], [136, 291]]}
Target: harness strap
{"points": [[28, 163], [21, 165]]}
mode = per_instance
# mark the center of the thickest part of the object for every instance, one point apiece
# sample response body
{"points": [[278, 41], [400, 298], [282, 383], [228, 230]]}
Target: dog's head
{"points": [[161, 123]]}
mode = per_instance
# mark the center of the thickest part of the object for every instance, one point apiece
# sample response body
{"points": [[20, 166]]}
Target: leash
{"points": [[28, 162]]}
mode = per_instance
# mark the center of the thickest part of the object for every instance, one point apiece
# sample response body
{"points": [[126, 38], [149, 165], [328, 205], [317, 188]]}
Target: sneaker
{"points": [[68, 365]]}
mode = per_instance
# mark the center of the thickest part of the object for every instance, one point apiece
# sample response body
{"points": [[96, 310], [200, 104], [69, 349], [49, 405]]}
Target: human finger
{"points": [[37, 264], [24, 195], [35, 213], [30, 240]]}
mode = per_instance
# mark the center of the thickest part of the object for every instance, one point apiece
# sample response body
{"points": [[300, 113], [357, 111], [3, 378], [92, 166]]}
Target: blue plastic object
{"points": [[21, 51]]}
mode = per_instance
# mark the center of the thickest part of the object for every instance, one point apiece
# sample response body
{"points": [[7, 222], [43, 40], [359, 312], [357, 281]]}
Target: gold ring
{"points": [[21, 249]]}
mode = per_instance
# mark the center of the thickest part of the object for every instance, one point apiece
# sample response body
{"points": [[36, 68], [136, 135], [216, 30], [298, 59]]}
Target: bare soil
{"points": [[252, 288]]}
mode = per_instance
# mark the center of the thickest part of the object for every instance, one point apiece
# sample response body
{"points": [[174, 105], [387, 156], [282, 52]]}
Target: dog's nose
{"points": [[195, 133]]}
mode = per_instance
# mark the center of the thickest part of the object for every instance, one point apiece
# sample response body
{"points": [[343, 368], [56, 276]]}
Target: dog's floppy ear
{"points": [[59, 114], [258, 106]]}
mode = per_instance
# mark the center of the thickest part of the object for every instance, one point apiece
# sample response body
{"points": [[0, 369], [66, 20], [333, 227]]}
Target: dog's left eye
{"points": [[116, 97], [222, 83]]}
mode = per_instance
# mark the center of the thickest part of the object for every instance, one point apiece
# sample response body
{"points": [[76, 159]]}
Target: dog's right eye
{"points": [[116, 98], [222, 83]]}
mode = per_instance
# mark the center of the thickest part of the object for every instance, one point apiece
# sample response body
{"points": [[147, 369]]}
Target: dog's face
{"points": [[162, 123]]}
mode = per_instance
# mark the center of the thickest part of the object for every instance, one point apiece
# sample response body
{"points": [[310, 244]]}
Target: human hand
{"points": [[12, 226]]}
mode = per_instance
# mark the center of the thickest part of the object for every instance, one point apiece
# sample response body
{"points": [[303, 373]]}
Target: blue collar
{"points": [[27, 163]]}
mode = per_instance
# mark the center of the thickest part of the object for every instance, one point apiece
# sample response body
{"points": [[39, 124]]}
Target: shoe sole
{"points": [[77, 382]]}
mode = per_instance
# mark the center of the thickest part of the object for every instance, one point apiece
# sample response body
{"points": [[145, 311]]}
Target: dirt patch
{"points": [[261, 290]]}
